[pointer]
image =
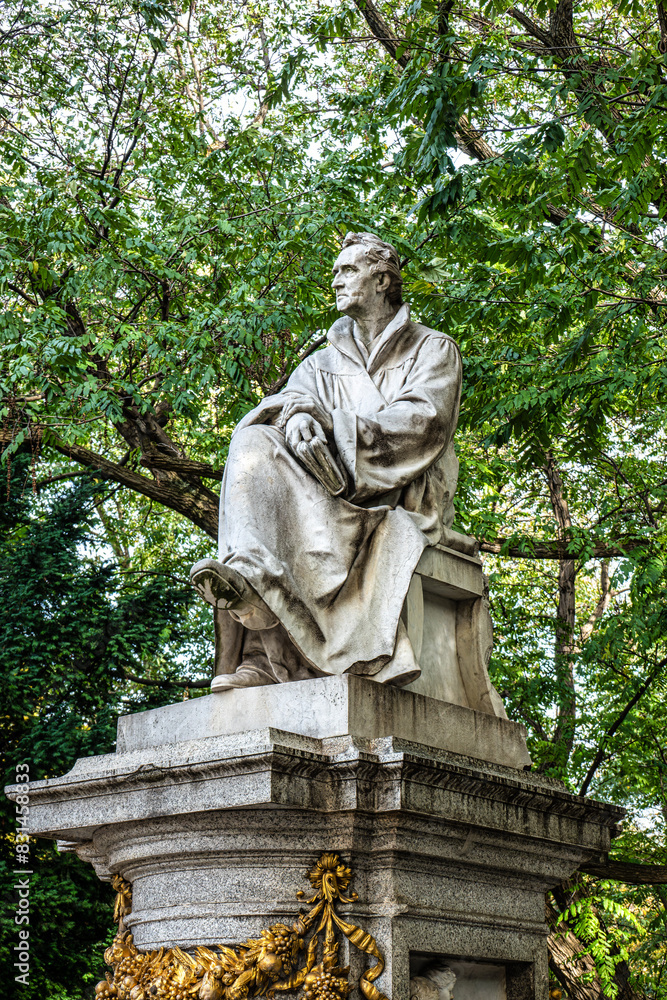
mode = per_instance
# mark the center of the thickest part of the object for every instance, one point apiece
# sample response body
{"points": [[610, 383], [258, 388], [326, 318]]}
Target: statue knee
{"points": [[252, 447]]}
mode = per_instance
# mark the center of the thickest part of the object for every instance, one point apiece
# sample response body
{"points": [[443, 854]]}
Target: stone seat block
{"points": [[446, 614], [330, 707]]}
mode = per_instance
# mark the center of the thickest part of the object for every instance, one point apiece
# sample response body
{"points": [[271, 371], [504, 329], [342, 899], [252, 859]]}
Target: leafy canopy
{"points": [[175, 181]]}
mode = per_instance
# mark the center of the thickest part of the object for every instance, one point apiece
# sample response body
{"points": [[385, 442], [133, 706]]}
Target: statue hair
{"points": [[383, 258], [442, 976]]}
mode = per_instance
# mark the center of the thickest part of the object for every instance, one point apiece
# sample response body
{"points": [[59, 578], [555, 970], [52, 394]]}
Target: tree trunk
{"points": [[569, 963], [564, 644], [575, 969]]}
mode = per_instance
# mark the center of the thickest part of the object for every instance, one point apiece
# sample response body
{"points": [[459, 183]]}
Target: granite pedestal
{"points": [[213, 809]]}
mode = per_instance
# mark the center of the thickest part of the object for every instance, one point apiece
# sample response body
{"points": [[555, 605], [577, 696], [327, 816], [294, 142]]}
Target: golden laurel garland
{"points": [[258, 967]]}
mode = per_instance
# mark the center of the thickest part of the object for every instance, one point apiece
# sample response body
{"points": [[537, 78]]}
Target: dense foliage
{"points": [[175, 180], [73, 627]]}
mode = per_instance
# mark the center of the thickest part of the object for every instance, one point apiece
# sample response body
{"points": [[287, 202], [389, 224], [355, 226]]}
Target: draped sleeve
{"points": [[393, 447], [302, 384]]}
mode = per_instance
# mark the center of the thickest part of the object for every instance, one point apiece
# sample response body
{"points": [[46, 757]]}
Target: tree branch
{"points": [[194, 501], [43, 483], [22, 294], [563, 38], [563, 738], [601, 606], [662, 21], [624, 871], [280, 382], [620, 719], [382, 31], [531, 27], [534, 723], [468, 139], [557, 549], [183, 466]]}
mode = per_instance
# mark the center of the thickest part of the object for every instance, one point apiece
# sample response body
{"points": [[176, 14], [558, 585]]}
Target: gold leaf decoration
{"points": [[282, 958]]}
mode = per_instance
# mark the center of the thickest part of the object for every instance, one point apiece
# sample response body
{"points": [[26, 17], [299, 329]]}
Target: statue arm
{"points": [[396, 445], [301, 388]]}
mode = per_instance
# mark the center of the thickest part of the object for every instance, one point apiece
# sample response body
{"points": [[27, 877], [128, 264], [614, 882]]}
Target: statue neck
{"points": [[370, 326]]}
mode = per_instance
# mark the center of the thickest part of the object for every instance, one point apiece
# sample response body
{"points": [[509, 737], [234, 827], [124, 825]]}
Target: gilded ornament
{"points": [[282, 958]]}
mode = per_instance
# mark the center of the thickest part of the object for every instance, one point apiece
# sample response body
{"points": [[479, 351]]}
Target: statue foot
{"points": [[224, 588], [246, 675], [218, 584]]}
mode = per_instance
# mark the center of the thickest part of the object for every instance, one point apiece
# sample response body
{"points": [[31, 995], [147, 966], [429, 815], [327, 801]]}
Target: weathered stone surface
{"points": [[334, 487], [451, 574], [452, 855], [446, 613], [334, 706]]}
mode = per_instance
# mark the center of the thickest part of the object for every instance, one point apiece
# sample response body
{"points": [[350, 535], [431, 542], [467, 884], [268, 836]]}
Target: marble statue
{"points": [[434, 983], [332, 490]]}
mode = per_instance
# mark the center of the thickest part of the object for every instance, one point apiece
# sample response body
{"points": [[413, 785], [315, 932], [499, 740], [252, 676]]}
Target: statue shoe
{"points": [[218, 584], [224, 588]]}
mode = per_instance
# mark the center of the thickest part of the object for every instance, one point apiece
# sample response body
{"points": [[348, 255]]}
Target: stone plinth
{"points": [[452, 855], [335, 706]]}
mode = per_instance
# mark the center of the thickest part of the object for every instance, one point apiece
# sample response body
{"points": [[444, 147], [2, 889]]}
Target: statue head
{"points": [[423, 989], [435, 983], [366, 272]]}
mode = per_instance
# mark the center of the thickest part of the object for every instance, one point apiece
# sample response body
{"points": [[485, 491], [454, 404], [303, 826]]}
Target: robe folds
{"points": [[335, 570]]}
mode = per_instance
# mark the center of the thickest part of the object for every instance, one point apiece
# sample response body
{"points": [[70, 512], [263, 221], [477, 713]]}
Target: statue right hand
{"points": [[321, 417], [302, 427]]}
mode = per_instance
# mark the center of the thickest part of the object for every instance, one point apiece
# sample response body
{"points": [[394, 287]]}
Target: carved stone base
{"points": [[452, 855], [335, 706], [284, 958]]}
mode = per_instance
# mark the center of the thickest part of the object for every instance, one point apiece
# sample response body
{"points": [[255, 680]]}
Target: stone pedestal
{"points": [[214, 820]]}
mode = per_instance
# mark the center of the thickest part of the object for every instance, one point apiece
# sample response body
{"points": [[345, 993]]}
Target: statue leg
{"points": [[402, 668], [268, 656], [229, 636]]}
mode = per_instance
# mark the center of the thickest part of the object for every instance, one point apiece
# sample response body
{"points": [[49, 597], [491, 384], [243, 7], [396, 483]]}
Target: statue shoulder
{"points": [[434, 347], [324, 358], [322, 355], [428, 334]]}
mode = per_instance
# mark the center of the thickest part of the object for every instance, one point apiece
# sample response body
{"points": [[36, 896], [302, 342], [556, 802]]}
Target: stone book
{"points": [[318, 460]]}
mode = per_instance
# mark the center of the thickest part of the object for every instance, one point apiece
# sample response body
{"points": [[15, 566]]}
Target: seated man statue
{"points": [[332, 490]]}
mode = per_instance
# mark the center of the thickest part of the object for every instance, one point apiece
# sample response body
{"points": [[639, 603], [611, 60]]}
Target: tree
{"points": [[73, 628], [169, 172]]}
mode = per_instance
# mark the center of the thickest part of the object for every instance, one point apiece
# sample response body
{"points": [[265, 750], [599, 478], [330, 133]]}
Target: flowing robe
{"points": [[335, 570]]}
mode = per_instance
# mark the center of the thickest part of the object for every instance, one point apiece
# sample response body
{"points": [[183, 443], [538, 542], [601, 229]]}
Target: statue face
{"points": [[358, 290]]}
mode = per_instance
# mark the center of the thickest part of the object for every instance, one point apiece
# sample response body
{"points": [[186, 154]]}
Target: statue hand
{"points": [[302, 427], [309, 407]]}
